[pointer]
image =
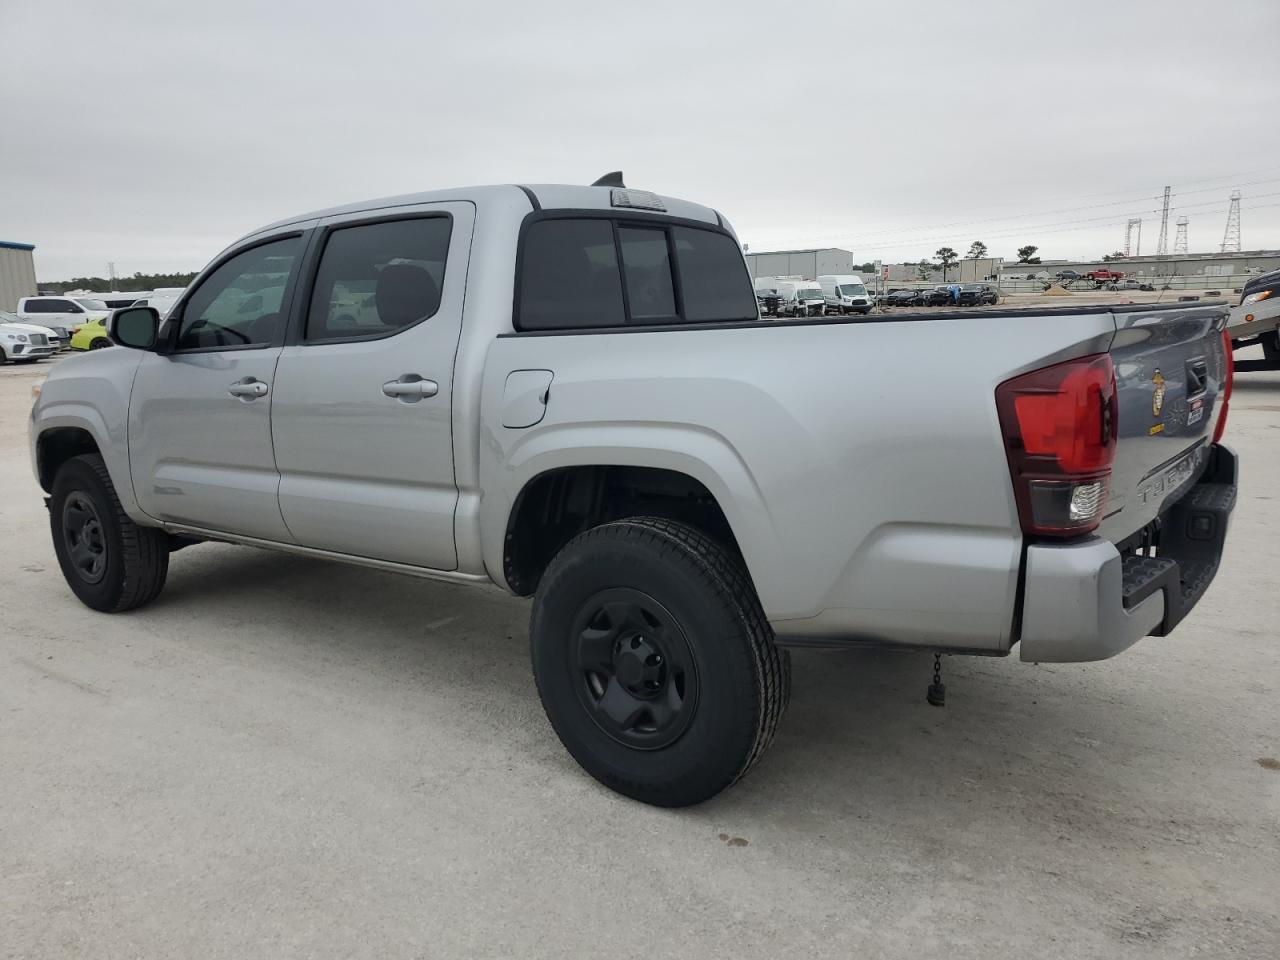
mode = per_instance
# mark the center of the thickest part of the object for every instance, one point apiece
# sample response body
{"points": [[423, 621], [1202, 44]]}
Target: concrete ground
{"points": [[286, 758]]}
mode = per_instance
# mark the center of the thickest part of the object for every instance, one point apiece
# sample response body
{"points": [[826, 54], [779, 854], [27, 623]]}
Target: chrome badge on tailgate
{"points": [[1170, 477]]}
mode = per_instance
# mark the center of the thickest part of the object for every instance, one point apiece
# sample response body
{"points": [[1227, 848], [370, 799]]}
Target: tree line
{"points": [[138, 282]]}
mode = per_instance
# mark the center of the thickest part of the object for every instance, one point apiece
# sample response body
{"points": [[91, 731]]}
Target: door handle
{"points": [[410, 388], [248, 389]]}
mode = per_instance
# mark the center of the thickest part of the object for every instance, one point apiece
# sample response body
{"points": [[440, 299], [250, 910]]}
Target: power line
{"points": [[871, 242], [892, 235]]}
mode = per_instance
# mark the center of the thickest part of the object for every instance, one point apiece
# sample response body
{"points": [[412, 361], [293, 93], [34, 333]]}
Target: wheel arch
{"points": [[556, 503], [66, 430]]}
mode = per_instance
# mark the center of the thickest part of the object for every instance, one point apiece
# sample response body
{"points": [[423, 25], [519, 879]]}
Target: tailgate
{"points": [[1170, 370]]}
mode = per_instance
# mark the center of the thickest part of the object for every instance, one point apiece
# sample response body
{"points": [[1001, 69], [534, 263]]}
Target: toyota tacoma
{"points": [[568, 392]]}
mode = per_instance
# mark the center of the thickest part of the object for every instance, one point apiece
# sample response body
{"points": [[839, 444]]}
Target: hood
{"points": [[24, 328]]}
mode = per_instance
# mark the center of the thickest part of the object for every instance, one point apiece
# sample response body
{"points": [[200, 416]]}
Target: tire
{"points": [[110, 563], [1271, 346], [99, 344], [685, 726]]}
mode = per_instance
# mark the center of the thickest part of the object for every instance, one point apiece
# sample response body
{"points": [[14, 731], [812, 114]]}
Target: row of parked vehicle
{"points": [[797, 297], [847, 293], [944, 295], [44, 325]]}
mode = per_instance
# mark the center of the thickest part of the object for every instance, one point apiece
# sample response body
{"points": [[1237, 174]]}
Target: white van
{"points": [[844, 293], [162, 298], [796, 297]]}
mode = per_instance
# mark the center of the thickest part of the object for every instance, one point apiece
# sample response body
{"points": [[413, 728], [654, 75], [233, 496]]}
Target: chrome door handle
{"points": [[410, 388], [248, 389]]}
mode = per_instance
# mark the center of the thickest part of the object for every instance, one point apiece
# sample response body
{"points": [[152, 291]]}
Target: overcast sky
{"points": [[152, 134]]}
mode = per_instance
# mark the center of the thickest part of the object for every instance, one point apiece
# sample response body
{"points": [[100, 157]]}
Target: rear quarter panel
{"points": [[859, 464]]}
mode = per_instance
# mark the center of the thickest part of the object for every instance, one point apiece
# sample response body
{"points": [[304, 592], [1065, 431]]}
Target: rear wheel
{"points": [[99, 344], [654, 661], [110, 562]]}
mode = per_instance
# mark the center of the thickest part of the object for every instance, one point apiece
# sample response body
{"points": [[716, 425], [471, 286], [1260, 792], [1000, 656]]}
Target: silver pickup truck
{"points": [[567, 391]]}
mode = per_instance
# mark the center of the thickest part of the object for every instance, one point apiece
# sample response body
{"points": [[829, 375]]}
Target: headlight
{"points": [[1259, 296], [22, 338]]}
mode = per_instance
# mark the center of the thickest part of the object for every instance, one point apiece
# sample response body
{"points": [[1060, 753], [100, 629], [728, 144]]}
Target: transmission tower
{"points": [[1133, 237], [1180, 241], [1162, 245], [1231, 237]]}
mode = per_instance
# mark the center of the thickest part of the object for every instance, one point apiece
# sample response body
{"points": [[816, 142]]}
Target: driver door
{"points": [[200, 412]]}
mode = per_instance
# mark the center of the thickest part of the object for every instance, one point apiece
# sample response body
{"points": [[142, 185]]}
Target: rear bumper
{"points": [[1084, 601]]}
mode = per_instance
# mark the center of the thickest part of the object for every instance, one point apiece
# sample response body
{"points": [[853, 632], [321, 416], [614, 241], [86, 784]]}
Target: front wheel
{"points": [[109, 562], [654, 661]]}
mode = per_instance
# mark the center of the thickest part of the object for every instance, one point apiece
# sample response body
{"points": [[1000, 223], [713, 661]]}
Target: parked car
{"points": [[1102, 278], [1067, 275], [680, 504], [1128, 283], [845, 293], [906, 298], [90, 336], [23, 342], [939, 296], [61, 314], [973, 294]]}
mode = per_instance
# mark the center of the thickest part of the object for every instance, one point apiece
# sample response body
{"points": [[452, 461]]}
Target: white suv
{"points": [[62, 314], [23, 342]]}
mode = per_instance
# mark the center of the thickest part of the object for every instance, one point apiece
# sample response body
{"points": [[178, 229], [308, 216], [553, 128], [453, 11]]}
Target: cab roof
{"points": [[544, 196]]}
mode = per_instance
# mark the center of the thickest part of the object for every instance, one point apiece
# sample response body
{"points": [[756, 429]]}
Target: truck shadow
{"points": [[859, 742]]}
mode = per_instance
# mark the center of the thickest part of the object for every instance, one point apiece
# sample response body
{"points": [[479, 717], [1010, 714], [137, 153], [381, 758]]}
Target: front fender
{"points": [[90, 392]]}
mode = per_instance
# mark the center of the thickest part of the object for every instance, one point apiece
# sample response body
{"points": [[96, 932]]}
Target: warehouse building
{"points": [[809, 264], [17, 273]]}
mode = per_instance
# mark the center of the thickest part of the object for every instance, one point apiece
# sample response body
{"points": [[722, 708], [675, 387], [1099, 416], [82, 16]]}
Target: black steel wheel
{"points": [[83, 537], [636, 675], [654, 661], [109, 562]]}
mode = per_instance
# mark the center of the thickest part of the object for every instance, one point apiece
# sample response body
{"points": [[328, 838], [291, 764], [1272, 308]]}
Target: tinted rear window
{"points": [[648, 270], [713, 276], [569, 276]]}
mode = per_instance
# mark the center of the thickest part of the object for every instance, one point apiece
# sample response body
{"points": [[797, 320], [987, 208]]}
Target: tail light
{"points": [[1227, 380], [1059, 426]]}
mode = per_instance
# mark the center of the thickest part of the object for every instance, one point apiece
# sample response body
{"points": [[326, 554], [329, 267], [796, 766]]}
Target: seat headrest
{"points": [[405, 293]]}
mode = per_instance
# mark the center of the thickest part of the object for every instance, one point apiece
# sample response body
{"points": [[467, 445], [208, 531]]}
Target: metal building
{"points": [[17, 273], [809, 264]]}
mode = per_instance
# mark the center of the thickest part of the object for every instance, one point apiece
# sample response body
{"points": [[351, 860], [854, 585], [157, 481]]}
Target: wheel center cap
{"points": [[638, 666]]}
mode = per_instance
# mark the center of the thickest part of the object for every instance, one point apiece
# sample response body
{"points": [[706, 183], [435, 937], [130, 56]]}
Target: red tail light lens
{"points": [[1227, 381], [1059, 427]]}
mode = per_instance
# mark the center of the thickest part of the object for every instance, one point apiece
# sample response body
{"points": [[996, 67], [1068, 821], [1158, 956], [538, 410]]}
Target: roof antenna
{"points": [[611, 180]]}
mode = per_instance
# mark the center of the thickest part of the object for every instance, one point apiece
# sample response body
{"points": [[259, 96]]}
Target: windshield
{"points": [[972, 287], [853, 290], [809, 293], [90, 304]]}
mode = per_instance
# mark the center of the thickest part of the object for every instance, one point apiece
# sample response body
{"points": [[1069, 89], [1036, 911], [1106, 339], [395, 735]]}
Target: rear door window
{"points": [[377, 279]]}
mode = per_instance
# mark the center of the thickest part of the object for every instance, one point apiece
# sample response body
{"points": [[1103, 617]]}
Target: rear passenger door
{"points": [[363, 401]]}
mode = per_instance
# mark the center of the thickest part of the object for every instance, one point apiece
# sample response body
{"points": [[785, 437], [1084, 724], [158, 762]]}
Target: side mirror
{"points": [[134, 327]]}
